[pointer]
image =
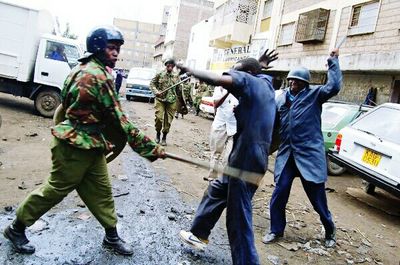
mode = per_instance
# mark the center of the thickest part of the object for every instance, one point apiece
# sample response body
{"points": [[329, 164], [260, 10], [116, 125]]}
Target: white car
{"points": [[370, 147], [207, 105]]}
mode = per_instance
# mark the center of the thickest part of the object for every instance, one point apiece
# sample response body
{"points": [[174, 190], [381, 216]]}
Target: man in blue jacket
{"points": [[301, 150], [255, 116]]}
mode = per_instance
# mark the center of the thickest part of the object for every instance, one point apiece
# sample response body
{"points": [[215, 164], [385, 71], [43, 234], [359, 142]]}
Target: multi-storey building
{"points": [[241, 28], [369, 35], [199, 52], [138, 49], [183, 15], [304, 31], [159, 47]]}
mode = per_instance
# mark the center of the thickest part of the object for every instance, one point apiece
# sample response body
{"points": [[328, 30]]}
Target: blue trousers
{"points": [[235, 195], [315, 193]]}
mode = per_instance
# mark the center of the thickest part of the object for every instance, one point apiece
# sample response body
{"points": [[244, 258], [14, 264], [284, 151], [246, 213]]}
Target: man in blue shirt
{"points": [[301, 150], [255, 116]]}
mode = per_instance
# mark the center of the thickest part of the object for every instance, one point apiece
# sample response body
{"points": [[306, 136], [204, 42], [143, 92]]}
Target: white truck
{"points": [[33, 61]]}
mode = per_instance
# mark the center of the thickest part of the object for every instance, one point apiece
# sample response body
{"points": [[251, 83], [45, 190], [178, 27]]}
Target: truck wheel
{"points": [[334, 169], [46, 102], [370, 189]]}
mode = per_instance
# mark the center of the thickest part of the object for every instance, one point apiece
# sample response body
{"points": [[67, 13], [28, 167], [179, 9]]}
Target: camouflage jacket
{"points": [[162, 81], [91, 103]]}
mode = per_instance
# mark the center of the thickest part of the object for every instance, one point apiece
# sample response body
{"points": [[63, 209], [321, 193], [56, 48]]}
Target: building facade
{"points": [[241, 29], [199, 52], [368, 33], [138, 49], [183, 15], [304, 31], [159, 47]]}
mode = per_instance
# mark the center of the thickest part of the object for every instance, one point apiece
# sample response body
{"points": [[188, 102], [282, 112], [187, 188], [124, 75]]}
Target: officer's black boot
{"points": [[158, 137], [16, 234], [114, 242], [164, 139]]}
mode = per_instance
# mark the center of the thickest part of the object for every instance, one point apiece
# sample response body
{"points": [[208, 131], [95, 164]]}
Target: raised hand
{"points": [[267, 57]]}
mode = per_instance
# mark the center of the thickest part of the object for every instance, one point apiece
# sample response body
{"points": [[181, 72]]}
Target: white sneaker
{"points": [[192, 240]]}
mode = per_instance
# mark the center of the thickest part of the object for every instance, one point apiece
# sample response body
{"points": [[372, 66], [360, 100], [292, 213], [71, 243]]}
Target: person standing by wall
{"points": [[301, 151], [165, 102]]}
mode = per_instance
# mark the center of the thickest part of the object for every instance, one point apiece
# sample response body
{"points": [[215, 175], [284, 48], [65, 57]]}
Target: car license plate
{"points": [[371, 158]]}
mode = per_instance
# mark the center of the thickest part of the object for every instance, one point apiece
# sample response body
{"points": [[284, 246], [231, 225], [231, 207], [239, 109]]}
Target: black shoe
{"points": [[164, 139], [330, 240], [117, 245], [19, 240], [176, 116], [271, 238], [158, 136]]}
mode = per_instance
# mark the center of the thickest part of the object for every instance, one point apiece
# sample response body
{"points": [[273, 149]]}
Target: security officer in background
{"points": [[165, 103], [202, 90], [91, 104]]}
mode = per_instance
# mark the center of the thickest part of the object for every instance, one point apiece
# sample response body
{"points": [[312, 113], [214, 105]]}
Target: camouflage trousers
{"points": [[73, 169], [164, 115]]}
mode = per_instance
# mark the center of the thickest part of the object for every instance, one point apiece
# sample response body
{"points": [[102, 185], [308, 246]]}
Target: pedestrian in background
{"points": [[223, 129], [91, 104], [301, 150], [255, 115], [118, 80], [165, 101]]}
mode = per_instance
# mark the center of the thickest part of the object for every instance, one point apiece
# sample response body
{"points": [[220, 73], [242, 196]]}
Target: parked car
{"points": [[370, 147], [138, 83], [207, 105], [336, 115]]}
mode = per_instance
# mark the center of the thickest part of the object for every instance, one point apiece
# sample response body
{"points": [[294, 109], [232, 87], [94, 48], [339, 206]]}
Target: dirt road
{"points": [[154, 201]]}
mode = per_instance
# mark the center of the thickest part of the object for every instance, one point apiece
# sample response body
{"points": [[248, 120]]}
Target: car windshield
{"points": [[141, 74], [332, 114], [383, 123]]}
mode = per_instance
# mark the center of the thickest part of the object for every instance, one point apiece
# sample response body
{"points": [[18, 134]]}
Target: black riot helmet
{"points": [[98, 37], [300, 73], [169, 61]]}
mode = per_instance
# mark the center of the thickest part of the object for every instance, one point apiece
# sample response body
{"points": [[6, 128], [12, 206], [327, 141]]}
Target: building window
{"points": [[363, 18], [286, 34], [266, 15], [312, 25]]}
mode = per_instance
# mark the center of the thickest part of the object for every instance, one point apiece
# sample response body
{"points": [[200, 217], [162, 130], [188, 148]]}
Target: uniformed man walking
{"points": [[91, 104], [301, 150], [165, 102]]}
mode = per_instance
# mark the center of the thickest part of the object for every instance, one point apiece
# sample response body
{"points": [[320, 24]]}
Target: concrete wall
{"points": [[190, 13], [293, 5], [355, 87]]}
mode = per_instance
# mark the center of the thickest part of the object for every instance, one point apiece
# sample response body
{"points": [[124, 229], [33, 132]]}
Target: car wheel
{"points": [[370, 189], [128, 97], [334, 169], [46, 102]]}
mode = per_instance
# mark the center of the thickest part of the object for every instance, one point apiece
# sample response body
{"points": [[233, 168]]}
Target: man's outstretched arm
{"points": [[208, 77]]}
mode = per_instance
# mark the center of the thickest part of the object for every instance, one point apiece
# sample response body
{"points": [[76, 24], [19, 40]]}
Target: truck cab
{"points": [[55, 58]]}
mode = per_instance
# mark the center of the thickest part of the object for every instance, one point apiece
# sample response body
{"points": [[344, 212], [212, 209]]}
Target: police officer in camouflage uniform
{"points": [[165, 102], [78, 147], [201, 91]]}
